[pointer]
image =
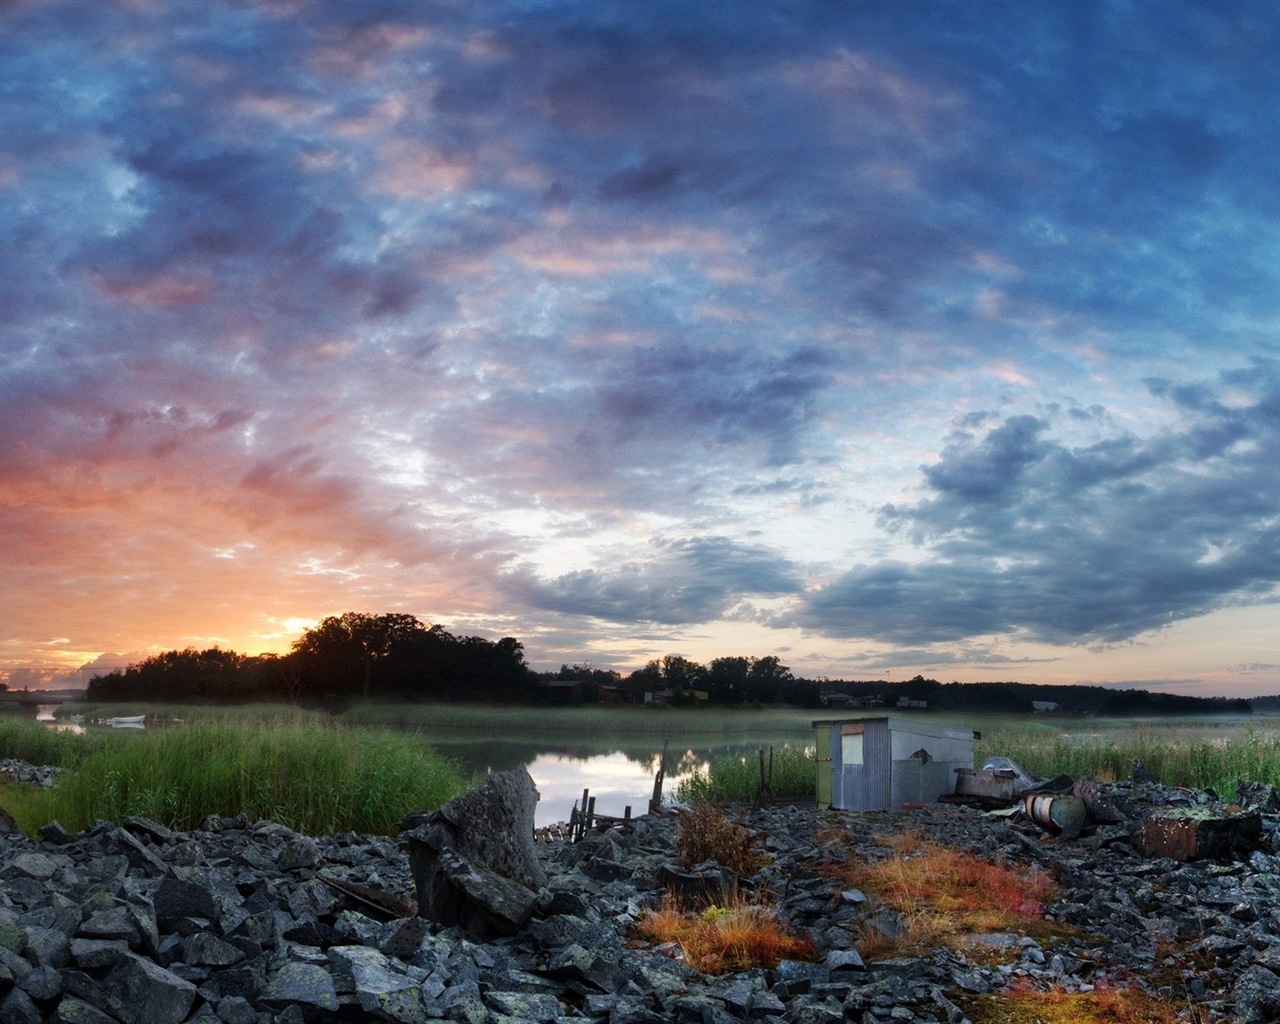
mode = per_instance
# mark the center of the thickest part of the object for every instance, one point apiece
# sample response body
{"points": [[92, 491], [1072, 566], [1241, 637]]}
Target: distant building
{"points": [[844, 700], [1044, 707], [564, 691], [912, 702]]}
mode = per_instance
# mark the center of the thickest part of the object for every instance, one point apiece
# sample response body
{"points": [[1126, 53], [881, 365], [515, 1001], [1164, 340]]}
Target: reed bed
{"points": [[790, 773], [1211, 755], [25, 739], [315, 778], [613, 720]]}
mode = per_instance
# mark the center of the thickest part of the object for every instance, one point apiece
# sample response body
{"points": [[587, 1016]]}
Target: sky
{"points": [[888, 338]]}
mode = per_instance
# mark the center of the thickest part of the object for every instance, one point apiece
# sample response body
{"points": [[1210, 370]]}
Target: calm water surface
{"points": [[617, 778]]}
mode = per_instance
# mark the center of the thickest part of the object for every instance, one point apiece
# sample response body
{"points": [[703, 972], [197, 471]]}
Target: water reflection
{"points": [[617, 778], [44, 715]]}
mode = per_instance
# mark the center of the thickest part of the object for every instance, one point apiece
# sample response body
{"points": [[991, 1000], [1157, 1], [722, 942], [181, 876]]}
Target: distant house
{"points": [[844, 700], [1044, 707], [564, 691], [912, 702]]}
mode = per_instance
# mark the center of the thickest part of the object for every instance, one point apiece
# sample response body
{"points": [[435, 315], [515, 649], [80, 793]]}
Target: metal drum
{"points": [[1061, 814]]}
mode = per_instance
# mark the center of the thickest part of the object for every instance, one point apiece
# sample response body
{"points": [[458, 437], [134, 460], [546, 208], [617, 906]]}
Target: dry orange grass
{"points": [[943, 894], [722, 939], [1106, 1004]]}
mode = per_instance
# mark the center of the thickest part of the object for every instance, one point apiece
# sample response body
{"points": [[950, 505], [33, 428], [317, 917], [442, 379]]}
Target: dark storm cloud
{"points": [[683, 581], [1027, 535]]}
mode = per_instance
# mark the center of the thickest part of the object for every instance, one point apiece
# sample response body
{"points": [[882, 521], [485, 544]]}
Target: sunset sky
{"points": [[886, 337]]}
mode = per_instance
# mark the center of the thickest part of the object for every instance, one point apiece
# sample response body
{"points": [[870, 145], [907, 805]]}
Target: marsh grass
{"points": [[619, 722], [1210, 755], [27, 740], [314, 778], [790, 772]]}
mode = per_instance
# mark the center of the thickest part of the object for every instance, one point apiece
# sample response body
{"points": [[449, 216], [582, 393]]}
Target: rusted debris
{"points": [[995, 785], [1199, 835], [1062, 814]]}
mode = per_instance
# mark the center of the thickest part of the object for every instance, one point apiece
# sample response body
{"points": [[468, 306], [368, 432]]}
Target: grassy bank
{"points": [[25, 739], [789, 772], [1201, 755], [313, 777]]}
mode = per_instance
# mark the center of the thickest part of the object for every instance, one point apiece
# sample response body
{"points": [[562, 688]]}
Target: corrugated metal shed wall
{"points": [[862, 769], [880, 763]]}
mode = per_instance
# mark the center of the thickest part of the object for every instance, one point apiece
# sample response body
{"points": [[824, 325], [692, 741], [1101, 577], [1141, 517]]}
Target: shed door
{"points": [[865, 765], [822, 755]]}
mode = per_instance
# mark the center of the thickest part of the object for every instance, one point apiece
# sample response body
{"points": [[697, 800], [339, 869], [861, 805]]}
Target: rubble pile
{"points": [[245, 922]]}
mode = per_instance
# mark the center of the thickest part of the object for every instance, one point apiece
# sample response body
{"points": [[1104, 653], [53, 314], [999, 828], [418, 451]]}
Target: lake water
{"points": [[617, 774], [618, 778]]}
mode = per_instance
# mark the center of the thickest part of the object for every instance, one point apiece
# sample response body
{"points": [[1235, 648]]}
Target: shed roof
{"points": [[912, 726]]}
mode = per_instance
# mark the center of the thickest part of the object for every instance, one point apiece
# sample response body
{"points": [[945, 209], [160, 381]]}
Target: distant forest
{"points": [[395, 657]]}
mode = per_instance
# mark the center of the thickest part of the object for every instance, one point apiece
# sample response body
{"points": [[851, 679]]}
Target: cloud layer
{"points": [[939, 338]]}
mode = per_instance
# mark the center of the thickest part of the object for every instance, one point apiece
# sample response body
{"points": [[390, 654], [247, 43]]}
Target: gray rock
{"points": [[91, 953], [48, 947], [309, 987], [1257, 996], [148, 993], [452, 891], [525, 1006], [473, 861], [383, 988], [32, 865], [76, 1011], [236, 1010], [42, 983], [175, 899], [208, 950], [19, 1008]]}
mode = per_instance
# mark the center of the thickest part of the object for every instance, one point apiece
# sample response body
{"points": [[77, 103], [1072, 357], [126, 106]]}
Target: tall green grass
{"points": [[1200, 756], [25, 739], [314, 778], [790, 773]]}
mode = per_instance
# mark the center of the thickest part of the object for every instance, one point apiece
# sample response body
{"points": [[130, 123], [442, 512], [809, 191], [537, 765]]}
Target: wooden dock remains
{"points": [[584, 819]]}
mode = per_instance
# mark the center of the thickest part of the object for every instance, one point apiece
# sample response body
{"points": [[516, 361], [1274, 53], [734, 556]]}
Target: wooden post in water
{"points": [[762, 788], [655, 801]]}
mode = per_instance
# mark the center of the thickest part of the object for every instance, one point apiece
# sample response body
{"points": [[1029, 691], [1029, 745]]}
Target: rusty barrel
{"points": [[1063, 814]]}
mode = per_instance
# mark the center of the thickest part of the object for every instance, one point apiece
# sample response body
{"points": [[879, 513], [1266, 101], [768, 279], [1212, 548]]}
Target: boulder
{"points": [[473, 861]]}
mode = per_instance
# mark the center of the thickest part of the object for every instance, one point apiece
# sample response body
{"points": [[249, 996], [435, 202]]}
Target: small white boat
{"points": [[126, 721]]}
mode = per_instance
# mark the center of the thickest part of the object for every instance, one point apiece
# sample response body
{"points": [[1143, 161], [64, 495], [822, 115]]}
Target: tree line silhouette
{"points": [[396, 657]]}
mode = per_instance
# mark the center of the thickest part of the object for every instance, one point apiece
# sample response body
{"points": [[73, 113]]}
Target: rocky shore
{"points": [[248, 922]]}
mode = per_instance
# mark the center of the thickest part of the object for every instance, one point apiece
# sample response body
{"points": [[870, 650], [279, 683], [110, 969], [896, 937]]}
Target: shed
{"points": [[875, 764]]}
